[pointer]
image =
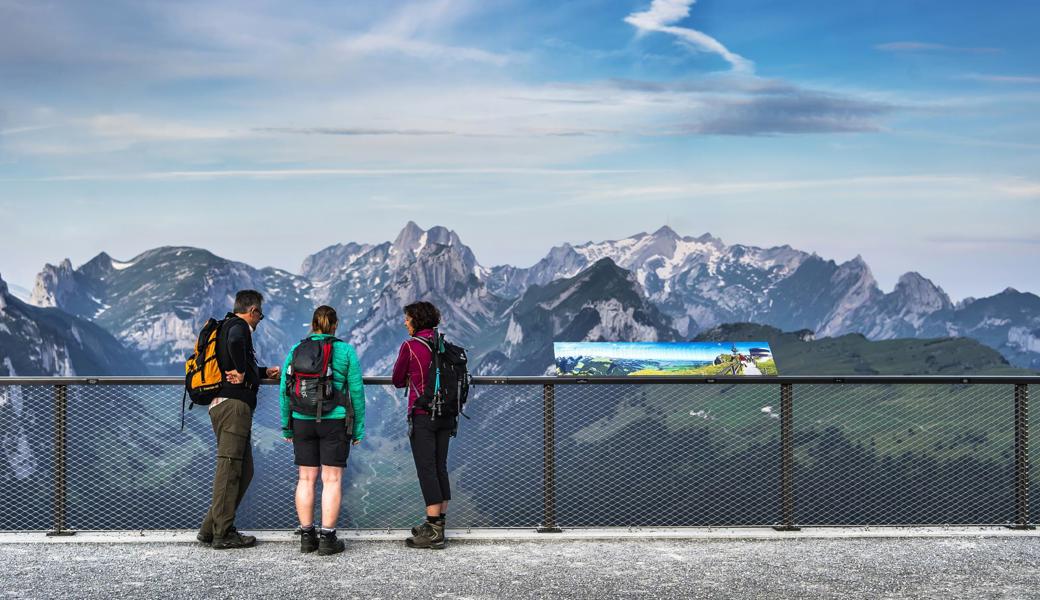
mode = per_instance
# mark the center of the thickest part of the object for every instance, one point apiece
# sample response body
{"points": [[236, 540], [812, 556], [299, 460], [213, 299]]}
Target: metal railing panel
{"points": [[108, 453], [903, 454], [27, 472], [667, 455]]}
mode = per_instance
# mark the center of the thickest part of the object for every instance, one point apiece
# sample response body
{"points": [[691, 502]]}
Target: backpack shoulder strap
{"points": [[425, 342], [326, 353]]}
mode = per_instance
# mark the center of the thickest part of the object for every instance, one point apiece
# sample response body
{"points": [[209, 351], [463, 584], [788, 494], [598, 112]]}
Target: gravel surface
{"points": [[829, 568]]}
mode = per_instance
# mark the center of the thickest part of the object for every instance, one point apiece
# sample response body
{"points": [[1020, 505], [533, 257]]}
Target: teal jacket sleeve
{"points": [[347, 373], [284, 398]]}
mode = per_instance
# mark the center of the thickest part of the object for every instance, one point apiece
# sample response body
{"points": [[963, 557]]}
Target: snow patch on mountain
{"points": [[618, 323], [1024, 339], [514, 333]]}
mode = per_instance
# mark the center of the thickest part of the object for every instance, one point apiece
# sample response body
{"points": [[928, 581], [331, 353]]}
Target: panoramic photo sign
{"points": [[636, 359]]}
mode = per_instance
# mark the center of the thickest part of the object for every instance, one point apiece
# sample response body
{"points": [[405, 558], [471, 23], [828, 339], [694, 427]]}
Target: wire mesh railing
{"points": [[546, 453]]}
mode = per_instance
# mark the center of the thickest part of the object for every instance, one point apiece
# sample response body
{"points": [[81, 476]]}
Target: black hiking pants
{"points": [[430, 450], [232, 422]]}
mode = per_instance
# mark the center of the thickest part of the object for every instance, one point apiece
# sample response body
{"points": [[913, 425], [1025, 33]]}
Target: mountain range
{"points": [[49, 341], [650, 286], [128, 317]]}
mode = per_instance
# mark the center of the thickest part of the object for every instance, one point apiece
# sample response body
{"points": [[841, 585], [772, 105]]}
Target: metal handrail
{"points": [[611, 380]]}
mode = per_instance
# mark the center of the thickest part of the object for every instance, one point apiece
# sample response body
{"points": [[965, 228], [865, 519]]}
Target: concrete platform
{"points": [[184, 536], [700, 563]]}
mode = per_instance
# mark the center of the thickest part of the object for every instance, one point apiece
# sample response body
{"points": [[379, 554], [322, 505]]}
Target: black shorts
{"points": [[325, 443]]}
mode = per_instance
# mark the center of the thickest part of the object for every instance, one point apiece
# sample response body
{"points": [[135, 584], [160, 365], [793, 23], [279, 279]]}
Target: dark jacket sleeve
{"points": [[400, 376], [238, 347]]}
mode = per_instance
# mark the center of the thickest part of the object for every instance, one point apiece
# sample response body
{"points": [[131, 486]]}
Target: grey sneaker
{"points": [[430, 535], [232, 540], [308, 540], [329, 544]]}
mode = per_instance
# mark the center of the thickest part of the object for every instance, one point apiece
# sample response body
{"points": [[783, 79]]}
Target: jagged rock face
{"points": [[904, 311], [699, 282], [1008, 322], [853, 287], [330, 263], [157, 302], [46, 341], [511, 282], [436, 267], [351, 282], [602, 303], [61, 286]]}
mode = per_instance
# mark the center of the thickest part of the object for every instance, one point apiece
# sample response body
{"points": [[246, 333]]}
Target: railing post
{"points": [[61, 404], [549, 460], [786, 459], [1021, 458]]}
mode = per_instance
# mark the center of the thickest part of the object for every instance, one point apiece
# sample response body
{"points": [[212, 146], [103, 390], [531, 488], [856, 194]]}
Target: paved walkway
{"points": [[979, 566]]}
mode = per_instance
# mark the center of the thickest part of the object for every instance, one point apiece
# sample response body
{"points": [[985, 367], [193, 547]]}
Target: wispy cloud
{"points": [[662, 17], [371, 43], [1021, 187], [1011, 79], [932, 47], [703, 188], [350, 131], [970, 240], [134, 127], [750, 106], [798, 111], [316, 173], [24, 129]]}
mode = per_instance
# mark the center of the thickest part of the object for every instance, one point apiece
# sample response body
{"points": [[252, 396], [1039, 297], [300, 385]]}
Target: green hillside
{"points": [[797, 353]]}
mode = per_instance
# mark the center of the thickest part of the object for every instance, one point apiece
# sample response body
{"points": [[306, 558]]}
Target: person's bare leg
{"points": [[331, 492], [305, 495]]}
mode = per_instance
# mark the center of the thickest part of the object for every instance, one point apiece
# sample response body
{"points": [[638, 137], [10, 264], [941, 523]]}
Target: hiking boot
{"points": [[206, 539], [308, 539], [415, 530], [430, 535], [233, 539], [330, 544]]}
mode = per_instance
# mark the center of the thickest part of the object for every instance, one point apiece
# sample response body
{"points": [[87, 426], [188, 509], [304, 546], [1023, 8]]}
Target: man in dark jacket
{"points": [[232, 418]]}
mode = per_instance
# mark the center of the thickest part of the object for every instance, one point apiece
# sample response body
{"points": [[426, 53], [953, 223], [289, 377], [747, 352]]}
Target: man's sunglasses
{"points": [[258, 312]]}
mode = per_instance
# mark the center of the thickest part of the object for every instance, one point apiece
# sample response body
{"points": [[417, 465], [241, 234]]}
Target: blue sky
{"points": [[902, 131]]}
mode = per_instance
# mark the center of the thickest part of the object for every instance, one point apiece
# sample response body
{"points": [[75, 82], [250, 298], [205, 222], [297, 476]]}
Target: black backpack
{"points": [[309, 384], [447, 387]]}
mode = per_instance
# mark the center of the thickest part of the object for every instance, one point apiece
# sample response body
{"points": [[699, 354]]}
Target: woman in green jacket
{"points": [[323, 445]]}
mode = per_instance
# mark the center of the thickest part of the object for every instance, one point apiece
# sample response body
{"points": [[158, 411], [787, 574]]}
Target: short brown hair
{"points": [[325, 320], [424, 315], [246, 299]]}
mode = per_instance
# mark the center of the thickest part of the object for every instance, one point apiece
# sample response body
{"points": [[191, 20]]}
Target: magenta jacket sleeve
{"points": [[400, 376]]}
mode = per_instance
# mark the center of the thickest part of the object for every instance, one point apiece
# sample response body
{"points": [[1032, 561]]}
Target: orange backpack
{"points": [[203, 377]]}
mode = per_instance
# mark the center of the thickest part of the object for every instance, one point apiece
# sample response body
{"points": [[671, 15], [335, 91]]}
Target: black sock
{"points": [[325, 531], [444, 516], [430, 519], [308, 528]]}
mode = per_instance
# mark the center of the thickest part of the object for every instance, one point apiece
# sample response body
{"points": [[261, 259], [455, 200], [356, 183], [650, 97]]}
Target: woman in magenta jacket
{"points": [[428, 437]]}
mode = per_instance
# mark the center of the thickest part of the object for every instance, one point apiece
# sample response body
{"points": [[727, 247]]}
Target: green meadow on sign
{"points": [[590, 359]]}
